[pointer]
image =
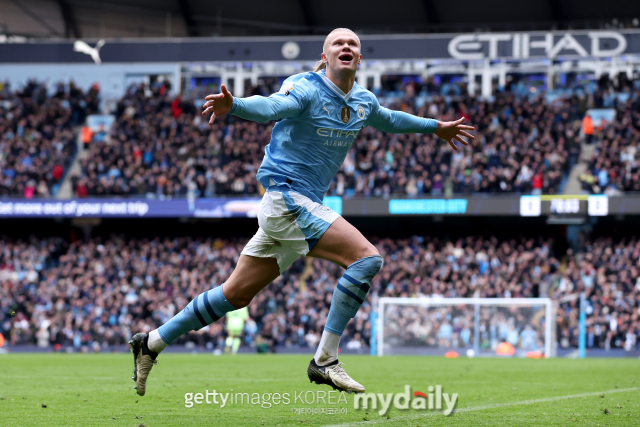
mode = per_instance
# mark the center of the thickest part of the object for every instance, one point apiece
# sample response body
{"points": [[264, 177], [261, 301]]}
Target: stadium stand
{"points": [[89, 295], [161, 147], [614, 167], [180, 155], [607, 270], [37, 133]]}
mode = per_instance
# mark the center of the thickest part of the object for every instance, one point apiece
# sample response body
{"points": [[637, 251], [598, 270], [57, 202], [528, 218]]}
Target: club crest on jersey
{"points": [[345, 115], [360, 112]]}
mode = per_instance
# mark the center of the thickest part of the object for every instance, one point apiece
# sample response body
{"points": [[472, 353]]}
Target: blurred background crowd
{"points": [[161, 147], [87, 295], [37, 136], [615, 165]]}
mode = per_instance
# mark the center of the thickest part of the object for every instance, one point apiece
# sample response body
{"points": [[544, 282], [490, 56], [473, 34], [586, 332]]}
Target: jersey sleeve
{"points": [[392, 121], [290, 102]]}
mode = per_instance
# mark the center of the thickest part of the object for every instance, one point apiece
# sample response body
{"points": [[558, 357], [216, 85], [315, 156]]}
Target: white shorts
{"points": [[290, 226]]}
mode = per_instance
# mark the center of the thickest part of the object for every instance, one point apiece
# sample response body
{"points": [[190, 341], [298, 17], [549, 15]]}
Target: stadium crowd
{"points": [[615, 165], [88, 295], [37, 141], [162, 147], [608, 271]]}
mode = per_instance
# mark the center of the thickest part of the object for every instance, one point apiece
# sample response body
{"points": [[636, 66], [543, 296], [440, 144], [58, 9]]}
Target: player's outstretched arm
{"points": [[400, 122], [454, 131], [260, 109]]}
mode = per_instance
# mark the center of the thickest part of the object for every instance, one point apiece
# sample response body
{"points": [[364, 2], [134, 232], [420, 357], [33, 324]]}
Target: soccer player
{"points": [[235, 326], [318, 116]]}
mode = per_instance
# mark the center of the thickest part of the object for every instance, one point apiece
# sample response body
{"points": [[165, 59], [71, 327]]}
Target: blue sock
{"points": [[350, 292], [202, 311]]}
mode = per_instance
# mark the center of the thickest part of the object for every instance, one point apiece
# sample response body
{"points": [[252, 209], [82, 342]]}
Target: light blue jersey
{"points": [[317, 123]]}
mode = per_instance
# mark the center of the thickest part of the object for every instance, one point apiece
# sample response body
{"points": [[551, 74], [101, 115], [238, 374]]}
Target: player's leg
{"points": [[250, 276], [235, 345], [344, 245], [233, 341]]}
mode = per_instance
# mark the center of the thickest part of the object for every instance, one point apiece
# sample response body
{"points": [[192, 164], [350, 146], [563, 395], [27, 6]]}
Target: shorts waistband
{"points": [[286, 184]]}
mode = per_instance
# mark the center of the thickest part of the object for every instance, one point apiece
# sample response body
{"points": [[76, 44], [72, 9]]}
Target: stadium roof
{"points": [[180, 18]]}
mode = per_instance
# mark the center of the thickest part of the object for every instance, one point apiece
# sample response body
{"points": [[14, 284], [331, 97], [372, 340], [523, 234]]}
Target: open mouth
{"points": [[345, 58]]}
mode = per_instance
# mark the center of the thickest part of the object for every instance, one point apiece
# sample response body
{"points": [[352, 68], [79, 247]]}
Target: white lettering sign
{"points": [[74, 208], [524, 45]]}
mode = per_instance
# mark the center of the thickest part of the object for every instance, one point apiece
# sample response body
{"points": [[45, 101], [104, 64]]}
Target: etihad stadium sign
{"points": [[596, 44], [470, 46]]}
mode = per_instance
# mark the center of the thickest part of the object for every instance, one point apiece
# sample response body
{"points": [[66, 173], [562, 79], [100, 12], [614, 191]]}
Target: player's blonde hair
{"points": [[320, 65]]}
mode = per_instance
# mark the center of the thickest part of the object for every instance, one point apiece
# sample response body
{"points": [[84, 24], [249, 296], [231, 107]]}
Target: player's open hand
{"points": [[454, 131], [218, 104]]}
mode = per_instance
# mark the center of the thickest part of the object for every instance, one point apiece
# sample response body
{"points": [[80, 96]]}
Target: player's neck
{"points": [[344, 80]]}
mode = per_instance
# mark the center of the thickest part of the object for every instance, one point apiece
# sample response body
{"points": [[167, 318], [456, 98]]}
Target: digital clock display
{"points": [[564, 205]]}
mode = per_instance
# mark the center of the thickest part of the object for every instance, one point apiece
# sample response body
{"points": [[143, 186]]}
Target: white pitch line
{"points": [[482, 408]]}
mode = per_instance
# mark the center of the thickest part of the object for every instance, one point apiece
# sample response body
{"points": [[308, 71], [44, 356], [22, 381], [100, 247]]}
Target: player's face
{"points": [[342, 51]]}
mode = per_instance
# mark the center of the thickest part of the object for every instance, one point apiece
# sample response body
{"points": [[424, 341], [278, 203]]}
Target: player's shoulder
{"points": [[308, 75], [363, 94], [302, 82], [299, 85]]}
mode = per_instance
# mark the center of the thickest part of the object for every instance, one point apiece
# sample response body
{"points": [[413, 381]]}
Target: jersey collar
{"points": [[335, 88]]}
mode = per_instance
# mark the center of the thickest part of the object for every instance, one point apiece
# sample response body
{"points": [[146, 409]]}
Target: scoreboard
{"points": [[564, 205]]}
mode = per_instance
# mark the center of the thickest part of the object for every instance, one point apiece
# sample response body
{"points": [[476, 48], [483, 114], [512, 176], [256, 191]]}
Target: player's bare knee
{"points": [[239, 301], [236, 295], [367, 251]]}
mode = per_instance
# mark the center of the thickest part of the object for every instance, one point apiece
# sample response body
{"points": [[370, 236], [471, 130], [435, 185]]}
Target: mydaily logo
{"points": [[432, 400]]}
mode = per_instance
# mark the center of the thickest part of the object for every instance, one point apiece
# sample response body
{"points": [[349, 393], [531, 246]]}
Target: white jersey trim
{"points": [[336, 89]]}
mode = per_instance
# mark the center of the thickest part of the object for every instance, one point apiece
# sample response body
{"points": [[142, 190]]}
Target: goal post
{"points": [[472, 326]]}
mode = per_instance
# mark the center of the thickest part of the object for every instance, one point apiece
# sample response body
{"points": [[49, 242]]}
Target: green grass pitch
{"points": [[96, 390]]}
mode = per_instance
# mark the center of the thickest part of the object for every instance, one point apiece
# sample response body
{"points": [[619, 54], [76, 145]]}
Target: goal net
{"points": [[469, 326]]}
